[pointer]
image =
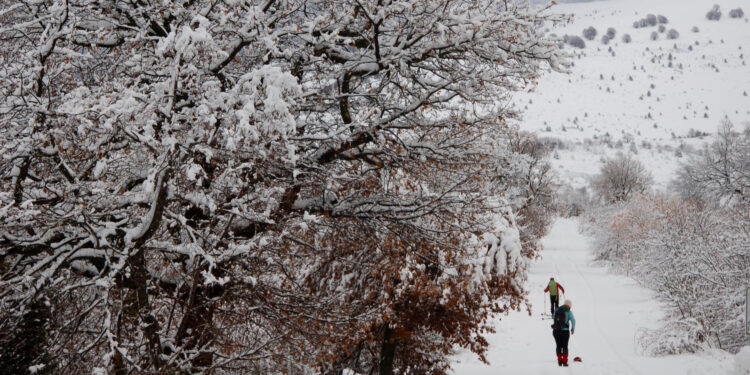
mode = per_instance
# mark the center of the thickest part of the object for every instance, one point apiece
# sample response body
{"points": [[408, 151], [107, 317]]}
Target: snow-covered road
{"points": [[609, 310]]}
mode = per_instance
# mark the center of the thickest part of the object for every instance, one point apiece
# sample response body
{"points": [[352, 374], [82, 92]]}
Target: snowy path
{"points": [[609, 309]]}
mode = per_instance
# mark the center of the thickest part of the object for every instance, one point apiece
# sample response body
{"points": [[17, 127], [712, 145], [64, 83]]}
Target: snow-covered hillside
{"points": [[653, 98]]}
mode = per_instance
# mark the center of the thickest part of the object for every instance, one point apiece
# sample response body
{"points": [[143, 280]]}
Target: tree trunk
{"points": [[387, 352]]}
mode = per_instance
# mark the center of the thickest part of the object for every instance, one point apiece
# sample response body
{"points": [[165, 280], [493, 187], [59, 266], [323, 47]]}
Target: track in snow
{"points": [[609, 309]]}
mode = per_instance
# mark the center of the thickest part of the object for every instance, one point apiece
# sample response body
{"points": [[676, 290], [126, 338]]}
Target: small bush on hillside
{"points": [[695, 29], [589, 33], [662, 28], [714, 14], [611, 33], [626, 38], [736, 13], [673, 34], [640, 23], [654, 36], [575, 41], [651, 19], [661, 19], [605, 39]]}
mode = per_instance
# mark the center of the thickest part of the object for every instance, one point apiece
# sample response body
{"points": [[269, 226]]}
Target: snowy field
{"points": [[648, 97], [609, 310]]}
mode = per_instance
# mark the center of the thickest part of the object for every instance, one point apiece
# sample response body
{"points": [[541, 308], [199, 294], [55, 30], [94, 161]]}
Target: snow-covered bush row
{"points": [[695, 256], [266, 187], [650, 20], [736, 13], [693, 250]]}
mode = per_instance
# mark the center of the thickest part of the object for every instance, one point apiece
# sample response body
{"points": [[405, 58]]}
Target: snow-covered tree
{"points": [[721, 170], [259, 186], [621, 178], [528, 179]]}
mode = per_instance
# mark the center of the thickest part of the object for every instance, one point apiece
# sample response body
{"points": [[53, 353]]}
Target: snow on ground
{"points": [[609, 309], [645, 96], [650, 98]]}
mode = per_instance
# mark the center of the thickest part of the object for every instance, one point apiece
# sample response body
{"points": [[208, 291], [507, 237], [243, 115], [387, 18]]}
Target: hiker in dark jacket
{"points": [[554, 296], [564, 326]]}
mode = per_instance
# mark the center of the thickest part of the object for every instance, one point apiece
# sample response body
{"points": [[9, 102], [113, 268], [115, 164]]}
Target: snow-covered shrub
{"points": [[662, 28], [605, 39], [654, 35], [674, 337], [662, 19], [714, 14], [589, 33], [736, 13], [651, 20], [673, 34], [695, 29], [575, 41], [611, 32], [626, 38]]}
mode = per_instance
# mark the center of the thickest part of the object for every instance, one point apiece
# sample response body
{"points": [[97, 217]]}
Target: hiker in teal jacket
{"points": [[561, 331], [554, 297]]}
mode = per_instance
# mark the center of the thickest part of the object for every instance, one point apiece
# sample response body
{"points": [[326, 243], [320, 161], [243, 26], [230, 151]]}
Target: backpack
{"points": [[559, 319]]}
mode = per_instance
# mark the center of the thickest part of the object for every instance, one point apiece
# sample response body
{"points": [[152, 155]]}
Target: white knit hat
{"points": [[568, 303]]}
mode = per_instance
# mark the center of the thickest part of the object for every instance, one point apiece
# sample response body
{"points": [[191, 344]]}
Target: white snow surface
{"points": [[609, 309], [707, 82]]}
